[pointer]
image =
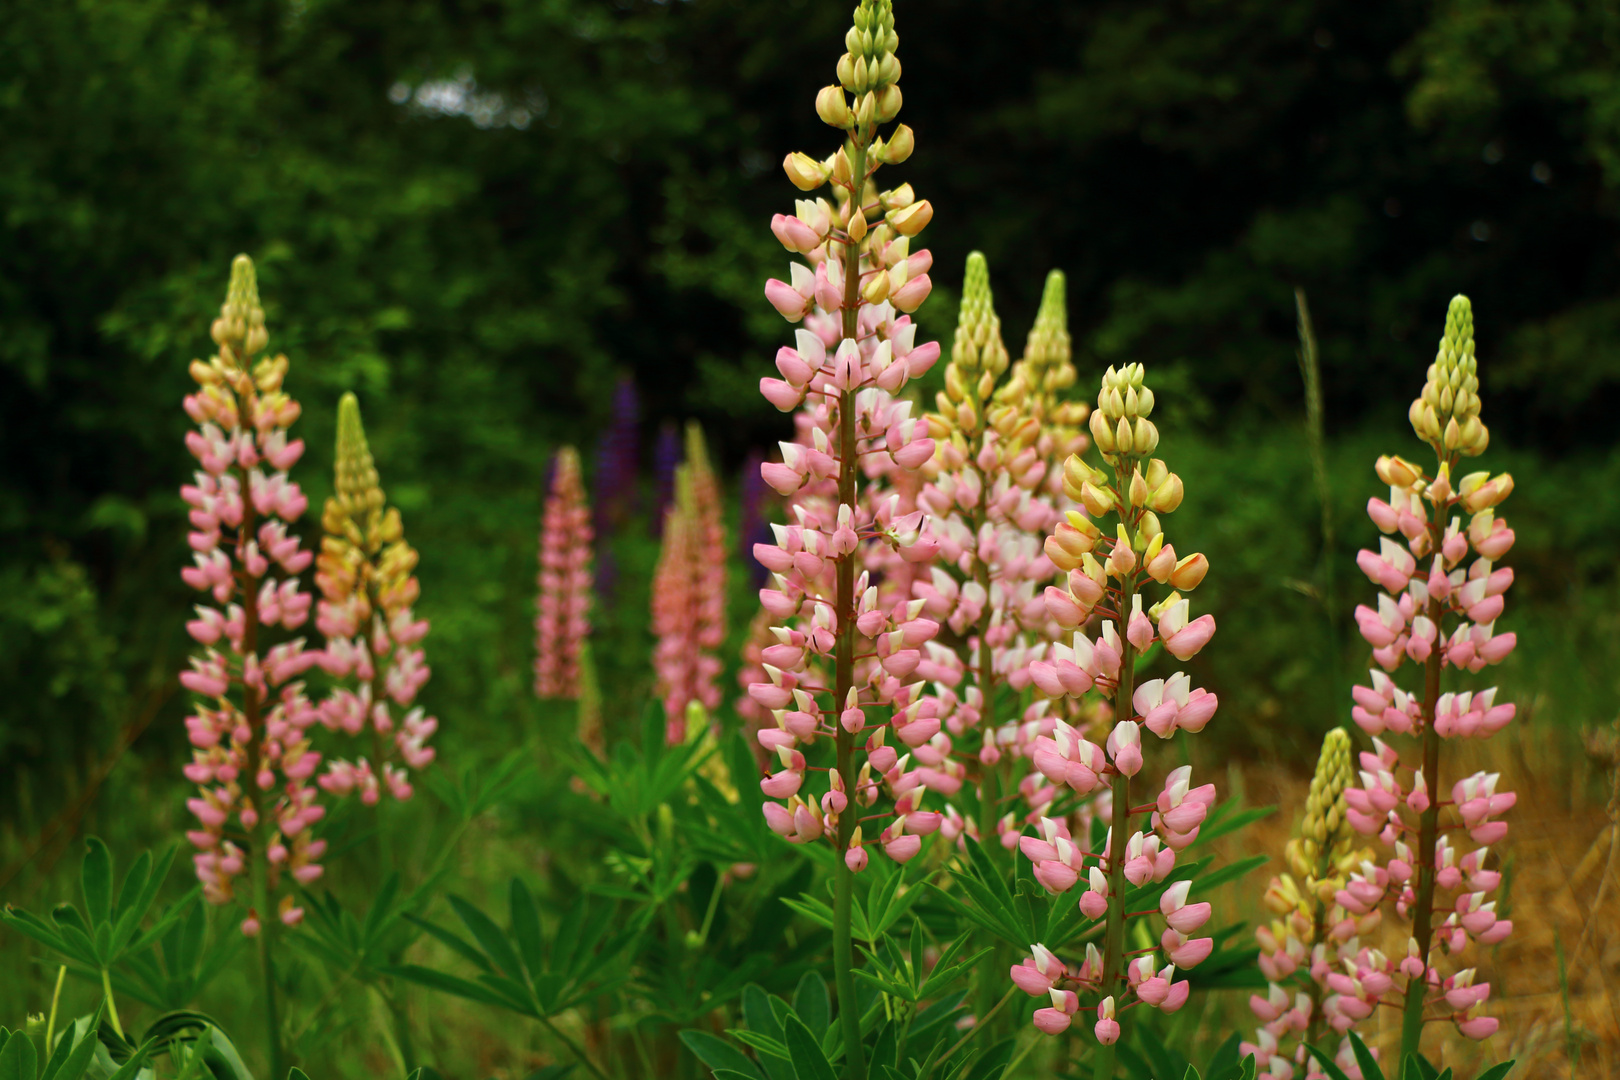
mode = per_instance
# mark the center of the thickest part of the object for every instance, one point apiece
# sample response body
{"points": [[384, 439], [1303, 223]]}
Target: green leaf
{"points": [[809, 1063], [136, 1062], [451, 984], [526, 927], [134, 884], [812, 909], [295, 1073], [381, 911], [1329, 1066], [811, 1001], [994, 1062], [718, 1054], [1364, 1059], [1497, 1072], [17, 1057], [1417, 1067], [495, 944], [776, 1048], [95, 878], [1191, 1074], [454, 943], [1223, 1064]]}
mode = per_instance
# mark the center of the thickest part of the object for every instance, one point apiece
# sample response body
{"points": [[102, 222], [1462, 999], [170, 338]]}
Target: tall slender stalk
{"points": [[1428, 833], [1119, 829], [849, 1015]]}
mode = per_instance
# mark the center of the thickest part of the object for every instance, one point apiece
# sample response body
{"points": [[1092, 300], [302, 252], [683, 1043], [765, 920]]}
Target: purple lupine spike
{"points": [[666, 459]]}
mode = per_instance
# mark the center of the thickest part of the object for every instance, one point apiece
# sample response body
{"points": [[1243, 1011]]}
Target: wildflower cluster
{"points": [[251, 759], [1139, 489], [689, 591], [855, 352], [372, 636], [991, 503], [1305, 949], [1439, 610]]}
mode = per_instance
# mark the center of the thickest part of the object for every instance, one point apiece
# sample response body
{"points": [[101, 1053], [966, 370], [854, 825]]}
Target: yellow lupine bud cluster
{"points": [[364, 553], [869, 69], [1120, 426], [240, 325], [978, 359], [1446, 414], [231, 395], [1325, 850], [1045, 371]]}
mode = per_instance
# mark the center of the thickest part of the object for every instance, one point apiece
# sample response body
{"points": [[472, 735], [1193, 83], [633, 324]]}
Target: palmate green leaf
{"points": [[986, 872], [761, 1020], [70, 924], [718, 1054], [32, 926]]}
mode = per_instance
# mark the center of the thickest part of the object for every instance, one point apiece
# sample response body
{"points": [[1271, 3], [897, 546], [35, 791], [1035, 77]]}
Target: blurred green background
{"points": [[480, 216]]}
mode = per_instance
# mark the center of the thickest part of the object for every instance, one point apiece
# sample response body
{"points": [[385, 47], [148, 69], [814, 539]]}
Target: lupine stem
{"points": [[1428, 831], [112, 1006], [1120, 827], [267, 924], [56, 1000], [1119, 835], [849, 1012]]}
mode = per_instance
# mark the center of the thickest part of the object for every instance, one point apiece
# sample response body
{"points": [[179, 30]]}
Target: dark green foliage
{"points": [[108, 931], [521, 968]]}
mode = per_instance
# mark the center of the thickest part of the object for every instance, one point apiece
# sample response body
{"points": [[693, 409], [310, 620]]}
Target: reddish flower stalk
{"points": [[364, 574], [689, 592], [564, 603]]}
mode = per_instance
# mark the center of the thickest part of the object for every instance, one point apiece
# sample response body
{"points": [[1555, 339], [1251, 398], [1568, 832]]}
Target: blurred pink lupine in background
{"points": [[252, 759], [689, 591], [372, 635], [564, 601]]}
